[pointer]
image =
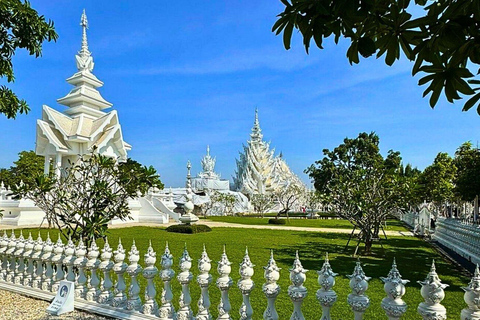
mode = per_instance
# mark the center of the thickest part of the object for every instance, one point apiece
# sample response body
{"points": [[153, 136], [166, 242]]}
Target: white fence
{"points": [[36, 267]]}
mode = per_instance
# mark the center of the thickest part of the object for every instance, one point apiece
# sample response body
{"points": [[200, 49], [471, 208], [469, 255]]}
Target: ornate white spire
{"points": [[84, 56], [256, 131], [208, 166]]}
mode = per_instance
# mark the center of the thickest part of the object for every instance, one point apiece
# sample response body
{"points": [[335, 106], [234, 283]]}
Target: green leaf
{"points": [[471, 102], [287, 35], [366, 47]]}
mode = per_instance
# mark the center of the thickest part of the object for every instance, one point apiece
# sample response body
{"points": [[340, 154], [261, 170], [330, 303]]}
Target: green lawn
{"points": [[413, 258], [392, 224]]}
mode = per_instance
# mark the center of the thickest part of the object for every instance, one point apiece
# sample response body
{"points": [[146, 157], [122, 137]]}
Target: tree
{"points": [[359, 185], [262, 203], [437, 180], [467, 180], [143, 177], [227, 201], [25, 169], [89, 194], [21, 28], [313, 198], [442, 43], [288, 196]]}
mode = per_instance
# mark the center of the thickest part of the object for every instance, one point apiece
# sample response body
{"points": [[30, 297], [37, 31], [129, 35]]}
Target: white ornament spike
{"points": [[37, 257], [69, 260], [28, 275], [270, 288], [185, 277], [47, 256], [19, 256], [80, 263], [394, 287], [432, 292], [357, 300], [297, 291], [133, 270], [472, 298], [106, 296], [167, 312], [57, 259], [92, 266], [150, 307], [120, 298], [246, 285], [4, 261], [204, 279], [11, 257], [325, 295], [224, 282], [84, 57]]}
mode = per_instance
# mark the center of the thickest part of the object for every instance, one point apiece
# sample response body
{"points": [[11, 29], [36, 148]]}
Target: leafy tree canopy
{"points": [[443, 43], [467, 162], [25, 169], [20, 28], [437, 180]]}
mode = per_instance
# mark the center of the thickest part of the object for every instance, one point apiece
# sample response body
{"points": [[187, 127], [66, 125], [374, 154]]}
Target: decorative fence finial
{"points": [[3, 248], [185, 277], [80, 263], [19, 256], [167, 312], [46, 259], [57, 259], [246, 285], [11, 258], [28, 252], [297, 291], [270, 288], [92, 266], [357, 300], [472, 298], [224, 282], [149, 273], [69, 260], [120, 298], [37, 256], [204, 279], [394, 287], [133, 270], [432, 292], [106, 296], [325, 295]]}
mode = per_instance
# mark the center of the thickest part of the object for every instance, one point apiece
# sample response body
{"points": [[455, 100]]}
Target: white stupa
{"points": [[63, 136], [208, 179], [259, 171]]}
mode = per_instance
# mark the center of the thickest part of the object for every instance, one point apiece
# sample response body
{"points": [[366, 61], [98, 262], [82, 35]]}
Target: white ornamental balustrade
{"points": [[204, 279], [185, 277], [4, 261], [92, 265], [167, 312], [246, 285], [11, 258], [270, 288], [149, 272], [57, 259], [19, 257], [46, 259], [37, 257], [297, 291], [69, 260], [394, 287], [105, 266], [133, 270], [432, 292], [472, 298], [27, 254], [224, 282], [80, 263], [357, 300], [325, 295], [120, 267]]}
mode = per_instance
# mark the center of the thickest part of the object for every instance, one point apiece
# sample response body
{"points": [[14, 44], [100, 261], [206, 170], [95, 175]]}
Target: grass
{"points": [[413, 258], [392, 224]]}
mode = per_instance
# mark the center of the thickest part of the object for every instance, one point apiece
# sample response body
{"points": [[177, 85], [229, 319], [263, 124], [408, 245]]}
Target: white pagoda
{"points": [[259, 171], [208, 179], [63, 136]]}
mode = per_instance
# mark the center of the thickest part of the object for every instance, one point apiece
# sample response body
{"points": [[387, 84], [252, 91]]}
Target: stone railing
{"points": [[463, 238], [36, 267], [410, 218]]}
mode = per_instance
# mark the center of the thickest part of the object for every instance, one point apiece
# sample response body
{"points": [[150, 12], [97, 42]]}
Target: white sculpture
{"points": [[394, 287], [325, 295], [297, 290], [270, 288], [432, 292]]}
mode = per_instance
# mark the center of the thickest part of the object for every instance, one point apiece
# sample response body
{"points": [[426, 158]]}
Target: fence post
{"points": [[204, 279], [37, 256], [357, 300], [11, 258], [270, 288], [167, 312], [224, 282], [325, 295], [184, 277], [19, 251], [472, 298], [80, 262], [105, 267], [297, 291], [46, 258], [394, 287], [149, 272], [120, 298], [246, 285], [69, 260], [28, 275], [4, 263], [133, 270], [92, 265], [432, 292], [57, 259]]}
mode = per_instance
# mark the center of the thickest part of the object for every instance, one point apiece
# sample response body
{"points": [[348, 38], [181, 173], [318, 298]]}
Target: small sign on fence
{"points": [[63, 301]]}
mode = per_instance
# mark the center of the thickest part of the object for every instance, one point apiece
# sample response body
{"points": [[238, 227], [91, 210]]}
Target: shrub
{"points": [[190, 229], [277, 221]]}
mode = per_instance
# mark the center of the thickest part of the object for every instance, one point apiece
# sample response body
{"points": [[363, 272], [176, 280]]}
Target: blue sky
{"points": [[184, 74]]}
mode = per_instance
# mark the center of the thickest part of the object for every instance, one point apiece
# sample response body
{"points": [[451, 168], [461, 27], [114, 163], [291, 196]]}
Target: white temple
{"points": [[259, 171], [63, 136], [208, 179]]}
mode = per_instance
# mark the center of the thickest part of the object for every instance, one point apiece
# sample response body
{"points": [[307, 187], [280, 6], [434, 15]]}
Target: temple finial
{"points": [[208, 150], [256, 131], [84, 56]]}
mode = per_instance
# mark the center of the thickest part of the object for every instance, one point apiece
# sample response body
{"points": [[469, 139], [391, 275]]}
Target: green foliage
{"points": [[25, 169], [139, 177], [467, 181], [437, 180], [22, 28], [189, 229], [262, 203], [277, 221], [227, 201], [442, 43]]}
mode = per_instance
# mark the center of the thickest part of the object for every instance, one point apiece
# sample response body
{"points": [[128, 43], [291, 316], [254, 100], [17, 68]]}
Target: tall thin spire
{"points": [[84, 56], [256, 131]]}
